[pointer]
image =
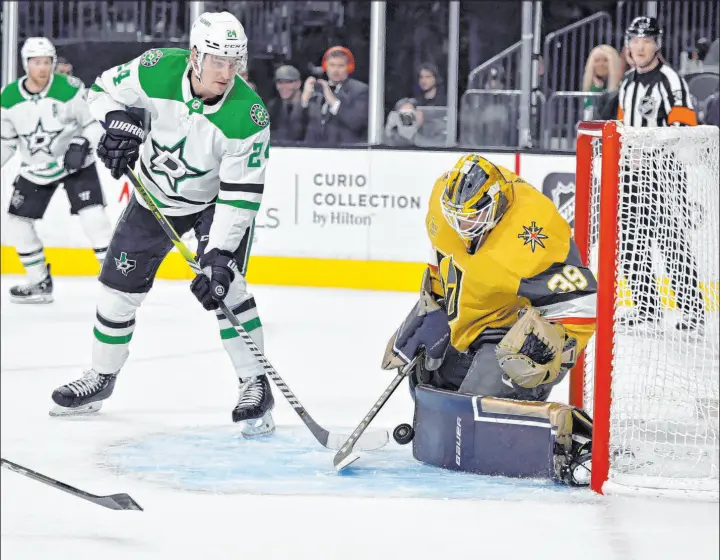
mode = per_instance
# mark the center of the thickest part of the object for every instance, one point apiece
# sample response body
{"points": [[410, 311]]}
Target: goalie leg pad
{"points": [[493, 436]]}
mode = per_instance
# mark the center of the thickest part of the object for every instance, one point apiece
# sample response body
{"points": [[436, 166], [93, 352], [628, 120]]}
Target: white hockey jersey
{"points": [[195, 154], [41, 125]]}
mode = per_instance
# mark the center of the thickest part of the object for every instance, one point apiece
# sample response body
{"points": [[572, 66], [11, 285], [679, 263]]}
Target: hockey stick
{"points": [[114, 501], [326, 439], [345, 456]]}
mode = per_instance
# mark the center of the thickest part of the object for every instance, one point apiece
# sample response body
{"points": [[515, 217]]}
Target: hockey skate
{"points": [[84, 395], [254, 407], [39, 292]]}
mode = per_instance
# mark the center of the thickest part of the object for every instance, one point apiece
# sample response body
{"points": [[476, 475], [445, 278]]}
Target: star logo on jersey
{"points": [[40, 140], [533, 236], [259, 115], [125, 265], [151, 58], [171, 163]]}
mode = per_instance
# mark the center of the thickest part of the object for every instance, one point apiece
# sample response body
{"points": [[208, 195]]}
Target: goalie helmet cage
{"points": [[651, 388]]}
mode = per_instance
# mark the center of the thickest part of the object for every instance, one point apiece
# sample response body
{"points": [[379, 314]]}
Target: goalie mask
{"points": [[37, 47], [475, 198], [221, 36]]}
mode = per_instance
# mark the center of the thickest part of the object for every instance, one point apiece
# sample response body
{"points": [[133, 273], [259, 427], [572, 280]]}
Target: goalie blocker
{"points": [[494, 436]]}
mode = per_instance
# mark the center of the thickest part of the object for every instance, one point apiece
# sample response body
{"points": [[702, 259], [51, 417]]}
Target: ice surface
{"points": [[165, 437]]}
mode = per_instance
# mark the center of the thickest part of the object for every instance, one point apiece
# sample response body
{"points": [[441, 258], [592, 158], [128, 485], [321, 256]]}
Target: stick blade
{"points": [[119, 502], [341, 463]]}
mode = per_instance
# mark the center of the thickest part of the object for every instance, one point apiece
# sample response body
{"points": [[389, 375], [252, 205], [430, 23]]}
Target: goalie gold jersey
{"points": [[529, 257]]}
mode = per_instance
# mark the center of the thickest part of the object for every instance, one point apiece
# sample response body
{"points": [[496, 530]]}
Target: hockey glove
{"points": [[223, 269], [76, 153], [119, 147], [425, 328], [531, 353]]}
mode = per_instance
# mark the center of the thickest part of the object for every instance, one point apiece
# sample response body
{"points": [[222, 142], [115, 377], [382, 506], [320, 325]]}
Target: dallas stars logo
{"points": [[259, 115], [125, 265], [171, 163], [532, 235], [40, 140]]}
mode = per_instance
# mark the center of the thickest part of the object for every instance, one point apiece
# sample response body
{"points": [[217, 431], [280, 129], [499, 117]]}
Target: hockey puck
{"points": [[403, 434]]}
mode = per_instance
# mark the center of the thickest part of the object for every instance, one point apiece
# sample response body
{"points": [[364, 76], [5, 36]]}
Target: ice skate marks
{"points": [[219, 460]]}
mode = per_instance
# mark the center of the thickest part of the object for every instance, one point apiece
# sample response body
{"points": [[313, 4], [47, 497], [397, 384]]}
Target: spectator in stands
{"points": [[430, 92], [63, 66], [335, 111], [403, 123], [285, 110], [603, 71]]}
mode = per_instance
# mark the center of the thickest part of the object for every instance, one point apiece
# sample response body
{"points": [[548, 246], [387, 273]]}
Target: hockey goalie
{"points": [[505, 308]]}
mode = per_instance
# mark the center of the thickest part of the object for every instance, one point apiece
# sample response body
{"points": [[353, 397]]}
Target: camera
{"points": [[407, 118]]}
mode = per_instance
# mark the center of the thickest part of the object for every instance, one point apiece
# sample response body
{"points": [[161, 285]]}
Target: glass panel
{"points": [[415, 74]]}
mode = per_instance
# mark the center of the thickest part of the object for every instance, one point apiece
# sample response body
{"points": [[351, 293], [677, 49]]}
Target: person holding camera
{"points": [[335, 111], [403, 123]]}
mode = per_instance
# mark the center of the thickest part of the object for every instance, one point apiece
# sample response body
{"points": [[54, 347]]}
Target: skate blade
{"points": [[260, 427], [91, 408], [39, 299]]}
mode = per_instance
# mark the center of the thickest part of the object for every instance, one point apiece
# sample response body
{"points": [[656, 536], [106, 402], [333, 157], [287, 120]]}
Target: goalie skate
{"points": [[254, 407], [83, 396], [39, 292]]}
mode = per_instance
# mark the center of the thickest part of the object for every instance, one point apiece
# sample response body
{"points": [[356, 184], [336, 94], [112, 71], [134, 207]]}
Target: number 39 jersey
{"points": [[196, 153], [528, 258]]}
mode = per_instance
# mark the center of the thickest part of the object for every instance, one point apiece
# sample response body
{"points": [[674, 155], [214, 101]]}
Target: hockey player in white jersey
{"points": [[45, 118], [204, 164]]}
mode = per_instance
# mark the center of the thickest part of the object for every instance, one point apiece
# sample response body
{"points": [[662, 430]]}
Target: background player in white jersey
{"points": [[45, 118], [204, 164]]}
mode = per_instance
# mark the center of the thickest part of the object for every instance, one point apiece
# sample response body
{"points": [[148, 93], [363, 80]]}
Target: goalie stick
{"points": [[114, 501], [372, 441], [345, 456]]}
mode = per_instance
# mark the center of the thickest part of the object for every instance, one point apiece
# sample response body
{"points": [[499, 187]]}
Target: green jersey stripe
{"points": [[244, 204]]}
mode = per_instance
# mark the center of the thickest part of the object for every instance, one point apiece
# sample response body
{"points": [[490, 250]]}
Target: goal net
{"points": [[646, 220]]}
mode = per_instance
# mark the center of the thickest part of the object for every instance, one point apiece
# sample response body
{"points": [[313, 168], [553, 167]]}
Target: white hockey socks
{"points": [[245, 362], [114, 327], [97, 228], [22, 234]]}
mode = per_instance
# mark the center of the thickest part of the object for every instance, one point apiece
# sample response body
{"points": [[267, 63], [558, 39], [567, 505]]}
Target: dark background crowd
{"points": [[310, 63]]}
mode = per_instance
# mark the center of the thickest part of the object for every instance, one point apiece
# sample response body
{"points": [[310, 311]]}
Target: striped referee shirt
{"points": [[659, 97]]}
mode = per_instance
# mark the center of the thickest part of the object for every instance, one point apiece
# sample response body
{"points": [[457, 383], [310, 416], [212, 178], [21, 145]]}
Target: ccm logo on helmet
{"points": [[343, 50]]}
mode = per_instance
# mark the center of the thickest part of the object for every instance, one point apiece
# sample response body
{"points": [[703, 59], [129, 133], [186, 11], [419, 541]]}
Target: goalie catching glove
{"points": [[535, 351], [425, 329]]}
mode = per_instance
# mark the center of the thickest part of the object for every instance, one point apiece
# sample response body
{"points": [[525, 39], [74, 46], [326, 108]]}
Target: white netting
{"points": [[666, 368]]}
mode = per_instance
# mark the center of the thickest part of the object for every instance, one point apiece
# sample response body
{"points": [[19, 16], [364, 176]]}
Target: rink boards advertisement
{"points": [[349, 218]]}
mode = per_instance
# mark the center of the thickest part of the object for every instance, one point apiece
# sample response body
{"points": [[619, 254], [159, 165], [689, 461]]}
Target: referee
{"points": [[654, 95]]}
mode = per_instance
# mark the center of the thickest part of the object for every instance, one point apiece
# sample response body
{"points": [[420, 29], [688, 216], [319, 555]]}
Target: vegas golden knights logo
{"points": [[451, 279]]}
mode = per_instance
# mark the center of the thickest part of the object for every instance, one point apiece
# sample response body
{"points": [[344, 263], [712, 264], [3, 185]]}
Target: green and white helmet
{"points": [[220, 34], [37, 46]]}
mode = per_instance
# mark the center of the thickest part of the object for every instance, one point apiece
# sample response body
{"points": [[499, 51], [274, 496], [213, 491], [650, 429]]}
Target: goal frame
{"points": [[607, 280]]}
